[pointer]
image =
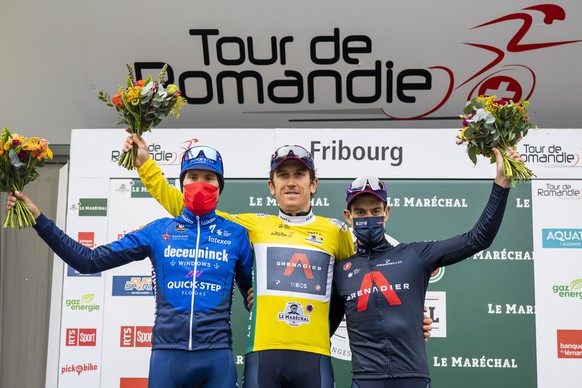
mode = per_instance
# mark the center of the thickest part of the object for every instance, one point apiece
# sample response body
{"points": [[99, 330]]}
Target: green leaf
{"points": [[576, 284], [472, 154], [87, 298]]}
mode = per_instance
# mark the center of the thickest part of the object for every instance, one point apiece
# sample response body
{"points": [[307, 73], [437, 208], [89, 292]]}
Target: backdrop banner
{"points": [[557, 238], [483, 308]]}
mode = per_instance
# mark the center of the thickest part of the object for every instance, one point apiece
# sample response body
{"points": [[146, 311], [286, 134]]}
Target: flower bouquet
{"points": [[488, 123], [19, 158], [142, 105]]}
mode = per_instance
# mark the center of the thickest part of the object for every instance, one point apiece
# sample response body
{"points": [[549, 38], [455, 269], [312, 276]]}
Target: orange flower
{"points": [[117, 100], [141, 83]]}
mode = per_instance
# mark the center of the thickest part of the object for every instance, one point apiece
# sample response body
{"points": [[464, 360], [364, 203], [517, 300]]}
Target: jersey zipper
{"points": [[194, 284], [381, 320]]}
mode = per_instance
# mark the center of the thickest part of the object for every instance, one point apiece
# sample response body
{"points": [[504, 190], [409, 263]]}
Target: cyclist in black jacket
{"points": [[382, 287]]}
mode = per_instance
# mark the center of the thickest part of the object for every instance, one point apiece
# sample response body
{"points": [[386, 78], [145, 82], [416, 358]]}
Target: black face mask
{"points": [[369, 230]]}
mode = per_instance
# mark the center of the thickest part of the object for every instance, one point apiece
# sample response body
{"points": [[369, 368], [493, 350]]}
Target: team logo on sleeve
{"points": [[293, 314]]}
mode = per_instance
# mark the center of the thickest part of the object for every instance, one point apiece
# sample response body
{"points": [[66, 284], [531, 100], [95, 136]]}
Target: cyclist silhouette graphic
{"points": [[508, 86], [497, 81]]}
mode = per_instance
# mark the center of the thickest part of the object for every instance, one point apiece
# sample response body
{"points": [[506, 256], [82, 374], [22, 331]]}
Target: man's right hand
{"points": [[142, 148], [11, 202]]}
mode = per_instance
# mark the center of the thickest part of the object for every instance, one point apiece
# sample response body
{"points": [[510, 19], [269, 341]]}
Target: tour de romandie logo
{"points": [[293, 314]]}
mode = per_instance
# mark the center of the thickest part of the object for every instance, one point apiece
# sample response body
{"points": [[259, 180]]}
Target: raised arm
{"points": [[151, 175], [78, 256], [481, 236]]}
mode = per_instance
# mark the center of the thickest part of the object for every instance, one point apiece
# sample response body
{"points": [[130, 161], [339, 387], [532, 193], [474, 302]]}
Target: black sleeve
{"points": [[336, 311], [481, 236]]}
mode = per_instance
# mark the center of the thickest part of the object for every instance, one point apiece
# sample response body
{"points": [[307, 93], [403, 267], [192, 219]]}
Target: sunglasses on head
{"points": [[207, 152], [361, 183], [291, 151]]}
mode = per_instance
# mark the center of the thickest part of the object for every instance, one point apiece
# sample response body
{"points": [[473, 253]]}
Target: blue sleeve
{"points": [[244, 267], [446, 252], [85, 260]]}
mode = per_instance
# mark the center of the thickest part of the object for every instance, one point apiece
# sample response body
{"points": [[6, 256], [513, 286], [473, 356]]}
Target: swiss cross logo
{"points": [[374, 282], [504, 87], [87, 239], [299, 260], [81, 337], [135, 337]]}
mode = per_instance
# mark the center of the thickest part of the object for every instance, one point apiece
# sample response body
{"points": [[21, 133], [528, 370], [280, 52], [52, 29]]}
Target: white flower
{"points": [[482, 115], [147, 88]]}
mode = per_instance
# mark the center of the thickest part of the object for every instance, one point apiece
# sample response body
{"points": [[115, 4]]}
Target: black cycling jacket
{"points": [[382, 291]]}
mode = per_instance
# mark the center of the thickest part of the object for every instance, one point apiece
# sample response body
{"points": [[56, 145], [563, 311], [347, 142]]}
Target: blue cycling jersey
{"points": [[194, 261]]}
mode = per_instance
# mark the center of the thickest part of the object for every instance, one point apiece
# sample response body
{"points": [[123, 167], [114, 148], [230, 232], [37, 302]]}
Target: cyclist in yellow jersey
{"points": [[288, 342]]}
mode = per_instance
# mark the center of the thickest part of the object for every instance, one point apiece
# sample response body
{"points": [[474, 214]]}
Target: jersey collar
{"points": [[302, 219], [379, 246], [189, 218]]}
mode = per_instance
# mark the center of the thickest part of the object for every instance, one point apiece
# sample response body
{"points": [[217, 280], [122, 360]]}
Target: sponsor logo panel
{"points": [[485, 362], [504, 255], [295, 315], [569, 343], [561, 238], [87, 367], [93, 207], [133, 382], [87, 239], [135, 337], [553, 155], [511, 309], [569, 291], [138, 189], [81, 337], [436, 302], [132, 286], [85, 303], [157, 153], [297, 270]]}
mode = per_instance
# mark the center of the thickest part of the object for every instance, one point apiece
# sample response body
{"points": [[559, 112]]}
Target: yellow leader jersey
{"points": [[292, 272]]}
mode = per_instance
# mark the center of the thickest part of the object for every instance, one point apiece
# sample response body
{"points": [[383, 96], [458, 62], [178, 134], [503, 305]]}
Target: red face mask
{"points": [[200, 197]]}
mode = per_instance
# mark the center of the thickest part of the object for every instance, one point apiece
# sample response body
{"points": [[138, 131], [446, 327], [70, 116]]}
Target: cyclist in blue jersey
{"points": [[382, 287], [192, 339]]}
